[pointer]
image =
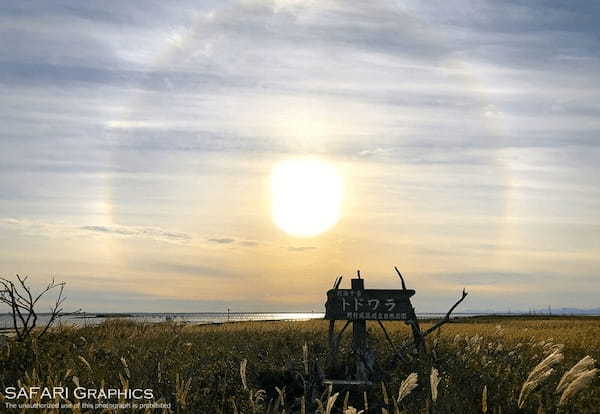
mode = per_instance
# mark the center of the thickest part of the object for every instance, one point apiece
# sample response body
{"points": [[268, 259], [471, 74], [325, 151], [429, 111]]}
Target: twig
{"points": [[387, 336], [337, 283], [401, 278], [447, 317], [20, 299]]}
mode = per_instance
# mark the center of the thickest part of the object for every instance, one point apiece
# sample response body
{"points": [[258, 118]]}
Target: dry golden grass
{"points": [[474, 365]]}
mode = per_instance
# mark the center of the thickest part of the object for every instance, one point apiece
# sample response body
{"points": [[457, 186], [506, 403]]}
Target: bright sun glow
{"points": [[307, 196]]}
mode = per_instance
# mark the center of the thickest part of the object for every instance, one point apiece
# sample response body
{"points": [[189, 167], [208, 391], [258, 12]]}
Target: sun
{"points": [[306, 196]]}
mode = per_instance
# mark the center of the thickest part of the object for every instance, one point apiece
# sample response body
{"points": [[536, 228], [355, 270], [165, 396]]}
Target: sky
{"points": [[138, 140]]}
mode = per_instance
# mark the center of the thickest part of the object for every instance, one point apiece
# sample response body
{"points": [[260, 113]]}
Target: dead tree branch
{"points": [[401, 278], [447, 317], [23, 305], [337, 282], [418, 341]]}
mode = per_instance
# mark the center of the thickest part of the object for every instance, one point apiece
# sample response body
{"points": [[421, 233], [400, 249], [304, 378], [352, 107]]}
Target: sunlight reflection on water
{"points": [[192, 318]]}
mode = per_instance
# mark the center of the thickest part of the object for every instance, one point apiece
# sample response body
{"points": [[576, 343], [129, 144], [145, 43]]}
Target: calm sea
{"points": [[191, 318], [89, 319]]}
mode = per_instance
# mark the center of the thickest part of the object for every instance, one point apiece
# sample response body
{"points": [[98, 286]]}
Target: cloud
{"points": [[223, 240], [514, 279], [385, 74], [57, 229], [373, 152], [249, 243], [185, 269], [154, 233], [300, 248], [231, 240]]}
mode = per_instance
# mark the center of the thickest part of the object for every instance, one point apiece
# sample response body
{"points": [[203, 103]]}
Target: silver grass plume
{"points": [[484, 406], [434, 380], [305, 357], [331, 402], [586, 363], [243, 372], [579, 383], [538, 374], [406, 387]]}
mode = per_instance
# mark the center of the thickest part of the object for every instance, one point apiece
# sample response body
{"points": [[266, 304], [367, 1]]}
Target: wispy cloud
{"points": [[300, 248], [224, 240], [140, 232], [57, 229], [186, 269], [249, 243]]}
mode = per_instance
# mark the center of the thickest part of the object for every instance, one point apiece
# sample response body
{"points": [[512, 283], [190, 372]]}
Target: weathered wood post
{"points": [[359, 333]]}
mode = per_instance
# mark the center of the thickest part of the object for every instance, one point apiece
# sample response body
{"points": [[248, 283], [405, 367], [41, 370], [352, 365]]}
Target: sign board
{"points": [[369, 304]]}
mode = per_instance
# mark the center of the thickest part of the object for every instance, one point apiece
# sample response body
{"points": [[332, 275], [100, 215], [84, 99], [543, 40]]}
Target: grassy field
{"points": [[482, 365]]}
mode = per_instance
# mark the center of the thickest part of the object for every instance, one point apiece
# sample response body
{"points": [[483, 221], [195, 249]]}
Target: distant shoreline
{"points": [[299, 315], [487, 318]]}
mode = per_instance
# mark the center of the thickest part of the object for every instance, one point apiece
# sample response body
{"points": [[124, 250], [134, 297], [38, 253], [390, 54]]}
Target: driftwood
{"points": [[418, 342], [401, 278], [23, 305], [446, 319]]}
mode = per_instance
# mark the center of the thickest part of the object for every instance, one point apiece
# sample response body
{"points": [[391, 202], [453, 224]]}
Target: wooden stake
{"points": [[359, 336]]}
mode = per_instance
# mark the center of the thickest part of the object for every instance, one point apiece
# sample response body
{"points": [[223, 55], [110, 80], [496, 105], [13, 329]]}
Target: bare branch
{"points": [[19, 298], [339, 281], [56, 310], [9, 288], [401, 278], [50, 286], [387, 336], [418, 336], [447, 317], [27, 302]]}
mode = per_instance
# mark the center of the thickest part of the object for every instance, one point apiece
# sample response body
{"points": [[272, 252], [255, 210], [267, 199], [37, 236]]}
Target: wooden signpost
{"points": [[368, 304], [358, 305]]}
